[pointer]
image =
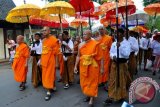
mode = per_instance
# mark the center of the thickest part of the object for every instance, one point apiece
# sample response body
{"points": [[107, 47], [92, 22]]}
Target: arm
{"points": [[77, 61]]}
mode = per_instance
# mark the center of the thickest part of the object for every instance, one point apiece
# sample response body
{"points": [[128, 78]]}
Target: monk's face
{"points": [[46, 31], [20, 39], [101, 31], [78, 38], [87, 35]]}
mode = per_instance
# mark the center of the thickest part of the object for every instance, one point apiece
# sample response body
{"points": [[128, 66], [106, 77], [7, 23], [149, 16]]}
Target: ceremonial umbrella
{"points": [[23, 12], [58, 7], [51, 21], [102, 9], [154, 10], [79, 23], [140, 29], [139, 15]]}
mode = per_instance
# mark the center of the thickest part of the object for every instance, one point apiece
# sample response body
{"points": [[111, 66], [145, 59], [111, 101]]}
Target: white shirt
{"points": [[37, 48], [12, 53], [124, 49], [145, 43], [156, 47], [71, 46], [134, 44]]}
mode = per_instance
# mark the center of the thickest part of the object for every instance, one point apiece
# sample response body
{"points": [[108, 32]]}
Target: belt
{"points": [[121, 60]]}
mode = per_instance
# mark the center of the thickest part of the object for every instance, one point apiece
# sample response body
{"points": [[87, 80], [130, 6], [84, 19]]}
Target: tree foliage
{"points": [[147, 2]]}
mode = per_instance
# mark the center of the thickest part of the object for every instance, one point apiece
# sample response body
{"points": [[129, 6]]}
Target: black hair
{"points": [[120, 30], [39, 34], [66, 32]]}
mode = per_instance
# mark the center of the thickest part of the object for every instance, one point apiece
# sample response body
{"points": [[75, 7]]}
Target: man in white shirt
{"points": [[145, 45], [134, 50], [118, 80], [36, 51], [67, 50]]}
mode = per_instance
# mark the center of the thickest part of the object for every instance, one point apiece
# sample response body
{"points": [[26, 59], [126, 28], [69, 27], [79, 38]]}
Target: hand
{"points": [[65, 58], [114, 58], [26, 65], [39, 62], [118, 44], [102, 70], [75, 70], [64, 43], [33, 48]]}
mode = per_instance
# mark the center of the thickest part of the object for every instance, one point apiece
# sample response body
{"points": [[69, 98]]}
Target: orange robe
{"points": [[18, 66], [61, 61], [89, 68], [50, 49], [105, 43]]}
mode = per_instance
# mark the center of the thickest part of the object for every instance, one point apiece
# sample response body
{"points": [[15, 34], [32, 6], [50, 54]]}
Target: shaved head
{"points": [[87, 35], [46, 31], [20, 39]]}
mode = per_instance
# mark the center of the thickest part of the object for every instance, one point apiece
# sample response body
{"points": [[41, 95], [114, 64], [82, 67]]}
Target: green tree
{"points": [[147, 2]]}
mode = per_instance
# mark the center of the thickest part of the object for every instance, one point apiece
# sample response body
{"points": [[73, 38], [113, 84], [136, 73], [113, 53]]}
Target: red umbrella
{"points": [[51, 21], [81, 5], [122, 8]]}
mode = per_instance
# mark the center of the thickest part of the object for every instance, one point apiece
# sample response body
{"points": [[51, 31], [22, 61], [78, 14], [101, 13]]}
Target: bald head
{"points": [[87, 35], [46, 31], [20, 39]]}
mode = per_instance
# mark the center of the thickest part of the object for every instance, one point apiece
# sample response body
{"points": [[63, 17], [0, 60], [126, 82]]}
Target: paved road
{"points": [[10, 96]]}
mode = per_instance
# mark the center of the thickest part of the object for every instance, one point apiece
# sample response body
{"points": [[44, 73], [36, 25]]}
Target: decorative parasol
{"points": [[58, 7]]}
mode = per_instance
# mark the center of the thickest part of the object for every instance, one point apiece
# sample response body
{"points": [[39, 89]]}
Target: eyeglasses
{"points": [[43, 30], [84, 34]]}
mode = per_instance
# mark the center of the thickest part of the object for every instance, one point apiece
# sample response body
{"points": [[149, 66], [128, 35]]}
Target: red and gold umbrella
{"points": [[122, 8], [153, 9], [79, 22], [51, 21], [109, 21]]}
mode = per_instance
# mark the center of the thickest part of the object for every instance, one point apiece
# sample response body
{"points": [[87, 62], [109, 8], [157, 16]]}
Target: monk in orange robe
{"points": [[50, 49], [89, 56], [105, 44], [20, 63]]}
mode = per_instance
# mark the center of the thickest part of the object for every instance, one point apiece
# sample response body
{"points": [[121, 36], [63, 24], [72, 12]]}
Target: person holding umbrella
{"points": [[50, 48], [117, 89], [67, 50]]}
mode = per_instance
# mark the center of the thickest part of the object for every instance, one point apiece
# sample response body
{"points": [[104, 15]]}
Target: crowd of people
{"points": [[93, 56]]}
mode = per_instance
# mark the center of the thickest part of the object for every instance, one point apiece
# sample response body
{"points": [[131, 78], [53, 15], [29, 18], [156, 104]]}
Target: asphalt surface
{"points": [[10, 96]]}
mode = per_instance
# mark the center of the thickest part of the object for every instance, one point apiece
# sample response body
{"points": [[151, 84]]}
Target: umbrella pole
{"points": [[90, 22], [30, 29], [60, 19], [137, 19], [111, 27], [117, 76], [126, 19]]}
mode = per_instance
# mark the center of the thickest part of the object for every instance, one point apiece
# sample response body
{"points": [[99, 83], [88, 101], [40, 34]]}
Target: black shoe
{"points": [[108, 102], [86, 99], [60, 80], [154, 73], [22, 88], [48, 97], [66, 86]]}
